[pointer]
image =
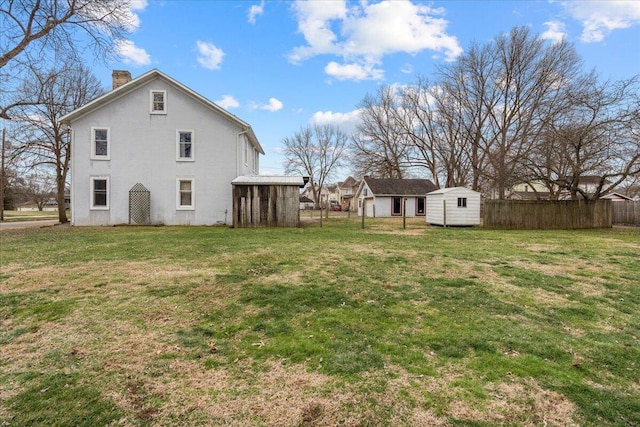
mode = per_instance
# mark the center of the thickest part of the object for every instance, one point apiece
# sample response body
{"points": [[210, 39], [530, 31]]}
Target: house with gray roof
{"points": [[384, 197]]}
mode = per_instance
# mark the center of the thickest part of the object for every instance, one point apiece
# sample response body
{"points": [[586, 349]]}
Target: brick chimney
{"points": [[120, 77]]}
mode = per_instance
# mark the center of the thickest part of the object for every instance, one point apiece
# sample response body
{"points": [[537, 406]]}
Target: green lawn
{"points": [[135, 326], [19, 216]]}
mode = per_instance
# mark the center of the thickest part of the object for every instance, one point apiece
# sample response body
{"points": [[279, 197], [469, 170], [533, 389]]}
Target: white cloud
{"points": [[355, 72], [556, 31], [256, 10], [138, 4], [210, 57], [227, 102], [273, 105], [599, 18], [366, 32], [131, 54], [345, 121]]}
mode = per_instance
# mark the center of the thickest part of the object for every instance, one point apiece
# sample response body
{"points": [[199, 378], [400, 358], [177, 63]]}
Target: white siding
{"points": [[143, 150], [441, 203]]}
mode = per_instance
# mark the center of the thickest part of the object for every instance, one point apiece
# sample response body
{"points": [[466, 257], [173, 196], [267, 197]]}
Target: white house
{"points": [[393, 197], [154, 151], [457, 206]]}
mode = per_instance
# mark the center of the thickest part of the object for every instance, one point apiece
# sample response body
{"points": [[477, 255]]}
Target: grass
{"points": [[143, 326], [20, 216]]}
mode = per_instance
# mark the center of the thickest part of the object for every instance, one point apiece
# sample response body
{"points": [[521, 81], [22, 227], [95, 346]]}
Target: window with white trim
{"points": [[185, 194], [255, 161], [158, 100], [246, 152], [185, 145], [462, 202], [99, 192], [100, 146]]}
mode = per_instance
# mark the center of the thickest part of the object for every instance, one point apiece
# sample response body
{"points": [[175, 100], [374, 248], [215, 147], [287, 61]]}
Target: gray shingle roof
{"points": [[400, 187]]}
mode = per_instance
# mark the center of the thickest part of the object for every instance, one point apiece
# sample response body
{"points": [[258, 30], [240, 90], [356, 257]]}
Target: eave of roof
{"points": [[147, 77], [269, 180]]}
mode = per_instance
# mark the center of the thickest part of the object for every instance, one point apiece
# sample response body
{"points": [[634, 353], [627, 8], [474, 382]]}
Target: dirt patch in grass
{"points": [[523, 403]]}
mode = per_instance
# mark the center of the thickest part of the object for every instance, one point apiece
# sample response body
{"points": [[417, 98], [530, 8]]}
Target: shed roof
{"points": [[269, 180], [399, 187], [453, 189]]}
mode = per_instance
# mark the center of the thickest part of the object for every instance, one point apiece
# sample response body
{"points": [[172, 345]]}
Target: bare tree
{"points": [[45, 141], [316, 152], [597, 134], [382, 145], [31, 31]]}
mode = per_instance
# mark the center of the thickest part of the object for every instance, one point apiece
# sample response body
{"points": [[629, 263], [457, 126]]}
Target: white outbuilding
{"points": [[455, 206]]}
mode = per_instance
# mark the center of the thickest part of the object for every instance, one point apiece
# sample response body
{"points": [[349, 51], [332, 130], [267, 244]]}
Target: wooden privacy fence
{"points": [[626, 213], [547, 214]]}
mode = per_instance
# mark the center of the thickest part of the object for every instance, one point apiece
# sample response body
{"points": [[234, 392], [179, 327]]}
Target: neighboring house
{"points": [[347, 191], [306, 203], [323, 193], [529, 191], [455, 206], [386, 197], [617, 197], [154, 151]]}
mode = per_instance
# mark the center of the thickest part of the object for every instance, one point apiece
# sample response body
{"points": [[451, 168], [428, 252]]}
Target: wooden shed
{"points": [[266, 201], [455, 206]]}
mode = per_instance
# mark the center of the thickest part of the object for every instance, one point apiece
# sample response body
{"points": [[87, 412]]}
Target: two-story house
{"points": [[153, 151]]}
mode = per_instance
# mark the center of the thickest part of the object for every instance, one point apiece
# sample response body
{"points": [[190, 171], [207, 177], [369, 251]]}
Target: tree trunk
{"points": [[62, 209]]}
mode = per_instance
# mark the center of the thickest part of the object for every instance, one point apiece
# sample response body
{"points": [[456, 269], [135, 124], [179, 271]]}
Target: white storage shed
{"points": [[457, 206]]}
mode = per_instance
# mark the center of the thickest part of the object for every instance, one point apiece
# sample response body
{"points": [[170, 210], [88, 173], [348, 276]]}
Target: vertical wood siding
{"points": [[266, 206]]}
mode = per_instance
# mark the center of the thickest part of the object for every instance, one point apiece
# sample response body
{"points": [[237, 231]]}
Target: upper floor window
{"points": [[100, 143], [185, 145], [246, 152], [255, 161], [158, 100]]}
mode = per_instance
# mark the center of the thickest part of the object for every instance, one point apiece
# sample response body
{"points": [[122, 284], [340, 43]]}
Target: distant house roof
{"points": [[147, 77], [399, 187], [305, 199], [350, 182], [269, 180]]}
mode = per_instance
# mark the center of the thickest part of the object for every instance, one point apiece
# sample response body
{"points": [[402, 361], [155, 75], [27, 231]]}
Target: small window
{"points": [[462, 202], [100, 193], [255, 161], [158, 102], [246, 152], [396, 206], [185, 194], [100, 143], [420, 206], [185, 145]]}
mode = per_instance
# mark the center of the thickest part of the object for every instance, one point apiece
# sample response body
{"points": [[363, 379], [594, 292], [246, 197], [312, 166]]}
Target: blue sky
{"points": [[280, 65]]}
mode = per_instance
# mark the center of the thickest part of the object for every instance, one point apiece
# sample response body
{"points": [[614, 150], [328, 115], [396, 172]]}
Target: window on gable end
{"points": [[158, 101], [462, 202]]}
